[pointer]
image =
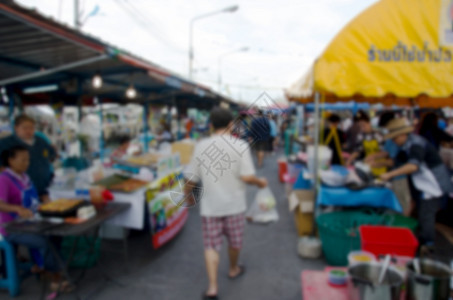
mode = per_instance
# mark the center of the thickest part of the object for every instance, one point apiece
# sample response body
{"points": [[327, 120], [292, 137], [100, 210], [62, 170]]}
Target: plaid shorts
{"points": [[215, 227]]}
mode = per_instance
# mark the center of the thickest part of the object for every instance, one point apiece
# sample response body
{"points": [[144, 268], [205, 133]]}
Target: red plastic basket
{"points": [[382, 240]]}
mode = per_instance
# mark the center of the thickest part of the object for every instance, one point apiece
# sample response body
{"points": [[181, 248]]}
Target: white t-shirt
{"points": [[219, 162]]}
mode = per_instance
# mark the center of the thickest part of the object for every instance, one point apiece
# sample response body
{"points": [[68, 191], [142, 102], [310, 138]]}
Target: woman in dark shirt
{"points": [[334, 138], [429, 129]]}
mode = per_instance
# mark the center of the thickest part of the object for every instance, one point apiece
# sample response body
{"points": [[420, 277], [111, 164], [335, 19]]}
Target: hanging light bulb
{"points": [[97, 81], [131, 93]]}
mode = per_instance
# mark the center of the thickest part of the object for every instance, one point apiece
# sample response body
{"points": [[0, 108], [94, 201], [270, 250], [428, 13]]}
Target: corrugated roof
{"points": [[30, 42]]}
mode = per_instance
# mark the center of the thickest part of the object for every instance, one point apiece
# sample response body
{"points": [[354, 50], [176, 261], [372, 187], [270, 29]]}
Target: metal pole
{"points": [[316, 162], [219, 64], [76, 14], [191, 49], [79, 120], [11, 111], [101, 121], [52, 70], [230, 9], [145, 126], [219, 78], [302, 113], [178, 118]]}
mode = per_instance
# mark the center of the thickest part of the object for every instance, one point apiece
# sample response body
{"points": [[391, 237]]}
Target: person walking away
{"points": [[368, 144], [19, 199], [352, 133], [164, 135], [428, 174], [285, 124], [41, 153], [189, 127], [273, 133], [224, 167], [241, 129], [260, 134], [334, 138], [429, 129]]}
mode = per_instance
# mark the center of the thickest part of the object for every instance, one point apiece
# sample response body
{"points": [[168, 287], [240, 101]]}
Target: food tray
{"points": [[128, 186], [71, 212], [145, 160], [109, 181]]}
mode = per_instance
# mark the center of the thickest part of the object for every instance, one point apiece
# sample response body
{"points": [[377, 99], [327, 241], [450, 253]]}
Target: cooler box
{"points": [[382, 240]]}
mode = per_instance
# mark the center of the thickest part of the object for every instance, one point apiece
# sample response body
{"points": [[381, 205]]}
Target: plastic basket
{"points": [[382, 240], [339, 232], [82, 256]]}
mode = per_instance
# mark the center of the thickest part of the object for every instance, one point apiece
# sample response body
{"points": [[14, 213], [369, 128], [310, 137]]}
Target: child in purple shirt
{"points": [[15, 185]]}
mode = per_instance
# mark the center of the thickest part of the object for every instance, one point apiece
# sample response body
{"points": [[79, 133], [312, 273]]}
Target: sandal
{"points": [[62, 287], [207, 297], [35, 269]]}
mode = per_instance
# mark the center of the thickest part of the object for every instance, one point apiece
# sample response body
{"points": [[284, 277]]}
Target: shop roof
{"points": [[38, 51]]}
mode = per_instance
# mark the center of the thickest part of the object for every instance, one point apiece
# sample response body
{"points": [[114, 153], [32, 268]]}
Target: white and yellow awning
{"points": [[395, 52]]}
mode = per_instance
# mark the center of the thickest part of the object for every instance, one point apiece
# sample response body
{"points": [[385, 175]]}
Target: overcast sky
{"points": [[284, 37]]}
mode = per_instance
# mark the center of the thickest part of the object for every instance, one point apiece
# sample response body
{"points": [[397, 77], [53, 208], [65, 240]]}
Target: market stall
{"points": [[394, 53], [371, 65]]}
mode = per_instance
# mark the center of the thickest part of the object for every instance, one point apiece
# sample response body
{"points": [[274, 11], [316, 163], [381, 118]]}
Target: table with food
{"points": [[143, 181]]}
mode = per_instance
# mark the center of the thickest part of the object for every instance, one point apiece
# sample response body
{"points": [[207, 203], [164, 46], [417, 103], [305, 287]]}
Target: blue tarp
{"points": [[342, 196], [352, 106], [374, 197]]}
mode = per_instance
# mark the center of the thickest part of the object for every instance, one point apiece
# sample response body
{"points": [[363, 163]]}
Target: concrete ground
{"points": [[177, 271]]}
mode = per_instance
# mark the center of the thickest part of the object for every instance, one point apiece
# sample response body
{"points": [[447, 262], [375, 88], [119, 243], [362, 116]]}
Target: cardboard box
{"points": [[302, 203], [185, 150], [303, 200]]}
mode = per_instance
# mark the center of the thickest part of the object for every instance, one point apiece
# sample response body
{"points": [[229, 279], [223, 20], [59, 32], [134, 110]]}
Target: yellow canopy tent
{"points": [[395, 52]]}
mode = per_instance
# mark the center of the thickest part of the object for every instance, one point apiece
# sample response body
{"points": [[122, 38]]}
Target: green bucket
{"points": [[339, 233]]}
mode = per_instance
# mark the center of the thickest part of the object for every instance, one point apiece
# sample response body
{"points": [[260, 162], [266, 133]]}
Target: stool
{"points": [[11, 282]]}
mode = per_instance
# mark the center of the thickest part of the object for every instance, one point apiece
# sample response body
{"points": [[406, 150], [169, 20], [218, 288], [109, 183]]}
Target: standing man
{"points": [[273, 132], [241, 129], [260, 132], [426, 170], [41, 153], [224, 167]]}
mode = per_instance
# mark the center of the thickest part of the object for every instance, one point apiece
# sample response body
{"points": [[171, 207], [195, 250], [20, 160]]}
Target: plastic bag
{"points": [[263, 209], [332, 178]]}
